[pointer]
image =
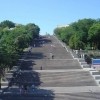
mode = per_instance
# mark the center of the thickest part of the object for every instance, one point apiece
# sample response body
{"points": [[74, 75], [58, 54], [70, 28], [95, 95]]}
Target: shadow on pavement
{"points": [[24, 83], [31, 80], [36, 94], [26, 78], [27, 65], [40, 42], [46, 41]]}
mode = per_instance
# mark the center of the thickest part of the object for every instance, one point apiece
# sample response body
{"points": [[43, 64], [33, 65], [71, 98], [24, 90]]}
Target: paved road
{"points": [[60, 78]]}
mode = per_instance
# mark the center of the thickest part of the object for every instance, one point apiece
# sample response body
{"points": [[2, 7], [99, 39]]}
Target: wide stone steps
{"points": [[61, 78], [53, 64], [72, 78], [95, 73]]}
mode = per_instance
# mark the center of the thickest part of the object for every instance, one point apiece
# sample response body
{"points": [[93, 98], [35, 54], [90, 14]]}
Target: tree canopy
{"points": [[94, 35], [7, 23], [14, 38], [80, 34]]}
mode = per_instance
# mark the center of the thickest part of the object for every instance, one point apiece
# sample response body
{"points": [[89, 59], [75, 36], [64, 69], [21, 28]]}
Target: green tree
{"points": [[75, 42], [66, 34], [33, 30], [13, 41], [82, 27], [7, 23], [57, 32], [94, 35], [21, 42]]}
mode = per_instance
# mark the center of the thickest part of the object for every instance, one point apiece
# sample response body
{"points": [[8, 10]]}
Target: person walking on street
{"points": [[41, 68]]}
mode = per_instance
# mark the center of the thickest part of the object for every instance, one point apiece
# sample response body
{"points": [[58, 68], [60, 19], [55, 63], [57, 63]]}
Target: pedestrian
{"points": [[33, 87], [25, 88], [41, 68], [20, 89], [52, 56], [29, 51]]}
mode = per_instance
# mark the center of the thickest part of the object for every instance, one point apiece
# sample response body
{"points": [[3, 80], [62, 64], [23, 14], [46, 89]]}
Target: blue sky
{"points": [[47, 14]]}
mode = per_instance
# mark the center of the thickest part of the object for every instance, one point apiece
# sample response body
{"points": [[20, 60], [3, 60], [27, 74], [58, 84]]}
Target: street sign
{"points": [[96, 64]]}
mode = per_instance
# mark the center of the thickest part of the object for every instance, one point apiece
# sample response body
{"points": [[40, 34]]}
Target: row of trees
{"points": [[14, 38], [83, 34]]}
